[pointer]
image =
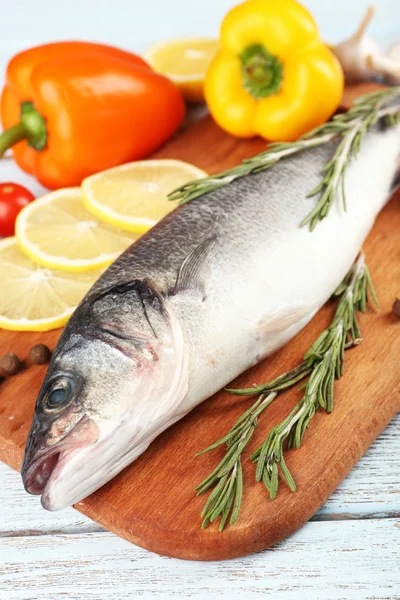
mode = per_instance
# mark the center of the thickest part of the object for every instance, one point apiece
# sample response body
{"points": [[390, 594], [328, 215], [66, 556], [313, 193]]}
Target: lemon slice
{"points": [[186, 62], [35, 298], [134, 196], [57, 231]]}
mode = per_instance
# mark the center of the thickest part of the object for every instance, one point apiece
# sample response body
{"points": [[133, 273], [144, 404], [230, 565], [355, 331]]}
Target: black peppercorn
{"points": [[10, 364], [40, 354], [396, 307]]}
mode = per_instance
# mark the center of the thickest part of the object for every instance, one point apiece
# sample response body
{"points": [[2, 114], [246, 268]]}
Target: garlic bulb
{"points": [[392, 75], [361, 58], [394, 50], [353, 53], [385, 65]]}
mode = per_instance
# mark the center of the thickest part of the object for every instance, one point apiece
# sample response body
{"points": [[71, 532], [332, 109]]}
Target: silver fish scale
{"points": [[238, 214]]}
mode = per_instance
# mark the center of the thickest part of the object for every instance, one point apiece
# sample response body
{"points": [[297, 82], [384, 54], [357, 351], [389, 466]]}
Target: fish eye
{"points": [[59, 396]]}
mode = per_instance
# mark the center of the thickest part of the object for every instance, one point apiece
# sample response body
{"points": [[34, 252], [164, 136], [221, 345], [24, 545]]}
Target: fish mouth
{"points": [[38, 476], [48, 465]]}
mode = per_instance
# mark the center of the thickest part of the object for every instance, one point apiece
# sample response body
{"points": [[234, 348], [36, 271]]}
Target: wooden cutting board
{"points": [[152, 502]]}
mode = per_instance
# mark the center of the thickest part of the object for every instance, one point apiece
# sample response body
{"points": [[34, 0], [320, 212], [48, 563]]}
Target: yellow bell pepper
{"points": [[273, 76]]}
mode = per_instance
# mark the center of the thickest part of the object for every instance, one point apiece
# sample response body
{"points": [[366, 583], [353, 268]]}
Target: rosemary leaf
{"points": [[279, 383], [214, 494], [238, 495], [287, 475]]}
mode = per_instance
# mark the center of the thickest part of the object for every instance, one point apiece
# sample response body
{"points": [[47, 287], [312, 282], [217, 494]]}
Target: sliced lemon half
{"points": [[58, 232], [35, 298], [134, 196], [186, 62]]}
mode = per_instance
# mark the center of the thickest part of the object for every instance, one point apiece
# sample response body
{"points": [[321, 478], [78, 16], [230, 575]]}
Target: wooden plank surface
{"points": [[323, 561], [166, 518]]}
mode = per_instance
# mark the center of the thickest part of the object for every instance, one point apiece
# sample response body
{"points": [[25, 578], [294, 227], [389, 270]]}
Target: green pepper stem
{"points": [[262, 72], [12, 136], [32, 128]]}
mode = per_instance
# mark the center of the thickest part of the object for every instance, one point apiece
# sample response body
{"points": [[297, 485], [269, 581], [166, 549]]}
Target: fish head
{"points": [[116, 377]]}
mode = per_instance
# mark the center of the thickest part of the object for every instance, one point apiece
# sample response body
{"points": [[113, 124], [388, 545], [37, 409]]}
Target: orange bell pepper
{"points": [[71, 109]]}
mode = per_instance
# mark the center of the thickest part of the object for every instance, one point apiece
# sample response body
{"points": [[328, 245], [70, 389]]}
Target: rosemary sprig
{"points": [[225, 499], [349, 128], [322, 364], [326, 358]]}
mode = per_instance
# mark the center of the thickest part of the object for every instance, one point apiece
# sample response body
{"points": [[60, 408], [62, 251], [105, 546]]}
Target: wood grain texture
{"points": [[23, 515], [152, 502], [323, 561], [372, 488]]}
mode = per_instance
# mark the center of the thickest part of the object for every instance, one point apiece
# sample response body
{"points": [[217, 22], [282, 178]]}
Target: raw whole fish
{"points": [[216, 286]]}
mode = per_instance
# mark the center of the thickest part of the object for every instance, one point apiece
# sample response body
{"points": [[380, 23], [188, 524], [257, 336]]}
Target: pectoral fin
{"points": [[193, 271]]}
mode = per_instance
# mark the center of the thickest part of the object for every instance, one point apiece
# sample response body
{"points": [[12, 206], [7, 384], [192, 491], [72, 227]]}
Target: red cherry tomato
{"points": [[13, 198]]}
